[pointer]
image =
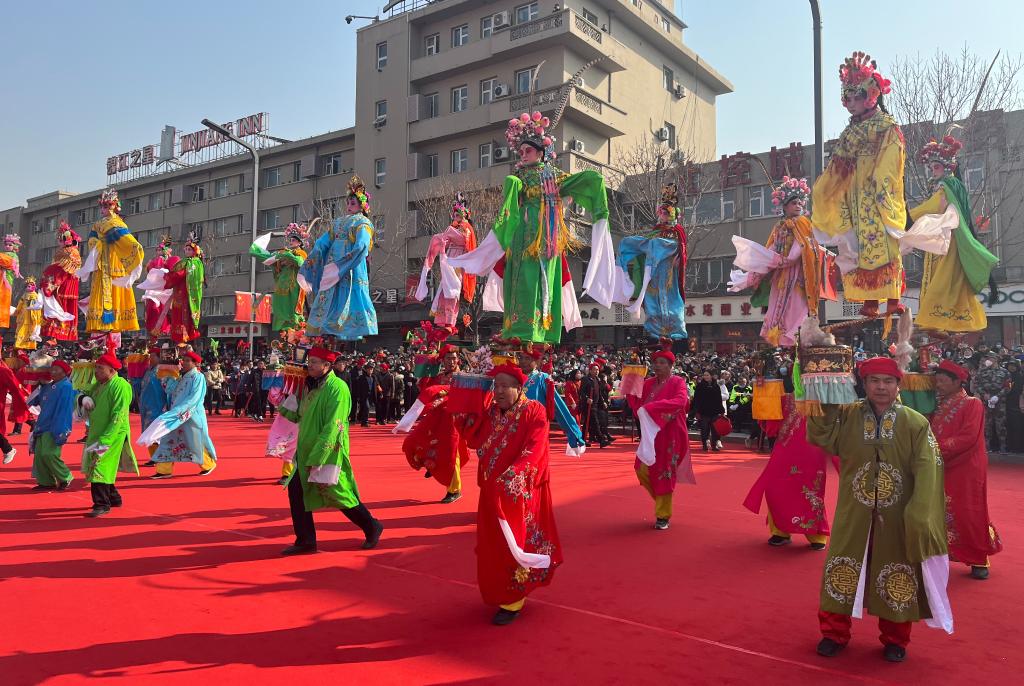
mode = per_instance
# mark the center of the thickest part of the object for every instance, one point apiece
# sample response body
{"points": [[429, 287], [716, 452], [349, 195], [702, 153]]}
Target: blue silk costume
{"points": [[152, 398], [56, 403], [537, 389], [341, 305], [186, 418], [663, 302]]}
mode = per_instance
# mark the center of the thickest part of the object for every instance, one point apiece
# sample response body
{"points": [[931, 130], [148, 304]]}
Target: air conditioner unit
{"points": [[578, 145], [380, 121], [500, 90], [501, 154], [662, 133], [680, 92], [500, 20]]}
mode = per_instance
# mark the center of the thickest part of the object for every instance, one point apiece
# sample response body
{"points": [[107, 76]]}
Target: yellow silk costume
{"points": [[29, 318], [118, 256], [860, 197]]}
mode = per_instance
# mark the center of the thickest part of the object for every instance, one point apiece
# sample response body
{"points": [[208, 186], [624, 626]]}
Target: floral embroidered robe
{"points": [[664, 439], [793, 482], [182, 430], [959, 426], [60, 280], [154, 323], [891, 504], [112, 266], [434, 443], [517, 542]]}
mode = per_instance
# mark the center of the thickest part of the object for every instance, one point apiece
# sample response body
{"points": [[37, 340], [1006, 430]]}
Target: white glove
{"points": [[88, 404], [733, 408], [993, 401]]}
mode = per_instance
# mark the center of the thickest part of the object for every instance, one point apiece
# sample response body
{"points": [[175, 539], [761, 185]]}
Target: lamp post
{"points": [[819, 143], [255, 212]]}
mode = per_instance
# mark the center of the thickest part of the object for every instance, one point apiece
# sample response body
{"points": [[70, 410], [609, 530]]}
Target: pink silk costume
{"points": [[662, 415], [793, 481], [153, 309], [454, 241]]}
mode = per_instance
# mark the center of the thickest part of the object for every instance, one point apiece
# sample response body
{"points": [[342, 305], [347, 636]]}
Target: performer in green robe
{"points": [[323, 476], [107, 448], [288, 300], [888, 550]]}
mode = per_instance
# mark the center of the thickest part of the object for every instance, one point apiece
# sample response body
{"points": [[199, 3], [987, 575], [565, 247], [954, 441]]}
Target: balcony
{"points": [[446, 184], [561, 28]]}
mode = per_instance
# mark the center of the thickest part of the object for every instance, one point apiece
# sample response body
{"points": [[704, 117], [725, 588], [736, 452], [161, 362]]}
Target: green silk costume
{"points": [[891, 498], [323, 442], [532, 280], [108, 425], [288, 297]]}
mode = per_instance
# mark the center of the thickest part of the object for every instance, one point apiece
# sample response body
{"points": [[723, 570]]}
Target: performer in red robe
{"points": [[60, 280], [959, 426], [9, 385], [163, 260], [434, 442], [572, 396], [186, 280], [517, 542], [664, 452]]}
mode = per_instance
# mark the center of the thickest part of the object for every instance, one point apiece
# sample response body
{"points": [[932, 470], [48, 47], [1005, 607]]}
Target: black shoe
{"points": [[715, 450], [894, 653], [296, 549], [704, 448], [41, 488], [119, 503], [451, 497], [16, 432], [151, 463], [504, 617], [661, 524], [97, 512], [427, 474], [283, 481], [63, 485], [979, 573], [371, 541], [817, 546], [779, 540], [604, 444], [829, 648], [206, 472]]}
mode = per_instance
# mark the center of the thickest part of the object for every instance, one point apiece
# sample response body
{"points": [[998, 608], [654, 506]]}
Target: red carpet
{"points": [[183, 585]]}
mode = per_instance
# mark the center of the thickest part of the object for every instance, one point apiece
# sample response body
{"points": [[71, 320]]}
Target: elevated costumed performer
{"points": [[60, 281], [288, 300], [156, 295], [185, 279], [10, 270], [336, 272], [113, 264], [453, 284]]}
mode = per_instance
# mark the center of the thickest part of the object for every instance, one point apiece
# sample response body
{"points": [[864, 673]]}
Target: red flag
{"points": [[243, 306], [412, 282], [263, 310], [829, 277]]}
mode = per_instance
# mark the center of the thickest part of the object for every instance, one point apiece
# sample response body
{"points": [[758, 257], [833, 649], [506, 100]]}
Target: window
{"points": [[486, 26], [665, 24], [756, 201], [195, 229], [380, 171], [156, 201], [974, 178], [432, 44], [220, 188], [133, 206], [199, 192], [728, 204], [671, 140], [709, 208], [460, 160], [460, 98], [382, 55], [36, 227], [271, 177], [668, 79], [486, 154], [272, 218], [460, 36], [487, 90], [220, 227], [590, 16], [637, 4], [51, 223], [524, 77], [296, 171], [332, 164], [432, 168], [432, 105], [525, 13]]}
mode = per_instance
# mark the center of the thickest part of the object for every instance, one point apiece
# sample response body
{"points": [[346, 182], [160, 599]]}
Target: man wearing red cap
{"points": [[888, 551], [323, 476], [664, 450], [107, 448], [959, 426], [594, 398], [182, 432], [56, 402], [517, 542]]}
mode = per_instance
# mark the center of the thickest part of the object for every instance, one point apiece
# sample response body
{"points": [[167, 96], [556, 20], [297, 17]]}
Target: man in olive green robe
{"points": [[323, 476], [107, 448], [888, 549]]}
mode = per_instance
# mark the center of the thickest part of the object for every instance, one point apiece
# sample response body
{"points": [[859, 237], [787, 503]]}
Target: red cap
{"points": [[154, 350], [885, 366], [447, 348], [109, 360], [509, 370], [322, 354], [599, 363], [665, 354], [385, 366], [954, 369], [23, 356], [193, 356], [61, 364]]}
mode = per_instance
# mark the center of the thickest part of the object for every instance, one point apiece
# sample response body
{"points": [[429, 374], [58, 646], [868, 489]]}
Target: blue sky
{"points": [[113, 72]]}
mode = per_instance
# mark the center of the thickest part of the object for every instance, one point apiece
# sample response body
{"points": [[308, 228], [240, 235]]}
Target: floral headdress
{"points": [[943, 151], [859, 72], [109, 199], [14, 239], [30, 281], [66, 235], [791, 188], [193, 242], [357, 190], [299, 232], [669, 201], [461, 207], [527, 129]]}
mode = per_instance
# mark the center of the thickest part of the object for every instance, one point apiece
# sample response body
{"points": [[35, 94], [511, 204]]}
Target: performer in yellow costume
{"points": [[114, 263], [29, 317], [858, 200]]}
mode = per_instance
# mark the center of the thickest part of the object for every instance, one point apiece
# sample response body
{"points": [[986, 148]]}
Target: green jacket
{"points": [[108, 426]]}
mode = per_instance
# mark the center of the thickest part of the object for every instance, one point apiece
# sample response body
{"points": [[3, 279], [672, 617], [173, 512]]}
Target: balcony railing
{"points": [[532, 28]]}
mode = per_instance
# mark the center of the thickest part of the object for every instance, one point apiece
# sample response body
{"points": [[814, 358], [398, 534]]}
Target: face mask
{"points": [[988, 363]]}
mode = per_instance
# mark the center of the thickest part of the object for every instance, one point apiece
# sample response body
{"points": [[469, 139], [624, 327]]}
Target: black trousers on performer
{"points": [[5, 445], [302, 519], [105, 496]]}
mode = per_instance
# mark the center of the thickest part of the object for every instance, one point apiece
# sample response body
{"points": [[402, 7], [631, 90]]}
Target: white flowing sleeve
{"points": [[89, 266], [494, 296], [53, 310], [930, 233], [421, 287], [599, 281], [481, 260], [754, 257], [571, 317]]}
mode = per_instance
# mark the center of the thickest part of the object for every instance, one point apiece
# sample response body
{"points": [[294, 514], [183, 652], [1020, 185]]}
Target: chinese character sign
{"points": [[735, 169], [787, 162]]}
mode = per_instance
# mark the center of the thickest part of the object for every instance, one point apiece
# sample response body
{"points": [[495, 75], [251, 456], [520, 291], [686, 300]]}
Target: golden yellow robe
{"points": [[29, 317], [117, 256], [859, 197]]}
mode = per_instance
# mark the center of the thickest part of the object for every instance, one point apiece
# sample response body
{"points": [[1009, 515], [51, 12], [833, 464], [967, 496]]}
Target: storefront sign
{"points": [[234, 330]]}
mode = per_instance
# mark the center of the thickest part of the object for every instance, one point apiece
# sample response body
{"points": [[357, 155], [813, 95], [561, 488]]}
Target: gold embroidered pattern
{"points": [[897, 586], [842, 575], [885, 490]]}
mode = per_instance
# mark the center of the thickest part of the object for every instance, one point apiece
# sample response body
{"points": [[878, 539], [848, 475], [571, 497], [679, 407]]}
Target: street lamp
{"points": [[255, 211], [819, 143]]}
